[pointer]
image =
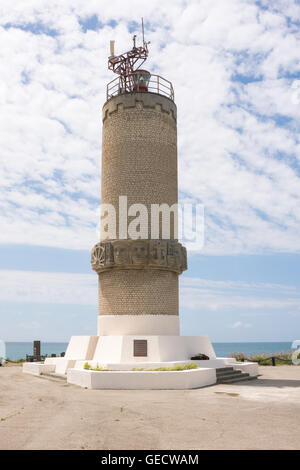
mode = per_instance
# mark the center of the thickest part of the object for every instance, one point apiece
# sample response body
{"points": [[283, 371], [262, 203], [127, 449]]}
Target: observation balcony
{"points": [[140, 81]]}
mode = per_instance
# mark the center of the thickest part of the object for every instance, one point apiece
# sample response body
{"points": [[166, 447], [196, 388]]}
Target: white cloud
{"points": [[246, 298], [239, 151], [48, 288], [239, 324]]}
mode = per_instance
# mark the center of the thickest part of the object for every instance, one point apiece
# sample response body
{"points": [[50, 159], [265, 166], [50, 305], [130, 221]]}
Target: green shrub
{"points": [[179, 367], [18, 361], [191, 365], [99, 368], [284, 358]]}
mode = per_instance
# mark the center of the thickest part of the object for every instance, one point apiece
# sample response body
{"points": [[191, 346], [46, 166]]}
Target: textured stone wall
{"points": [[139, 160], [139, 151], [138, 292]]}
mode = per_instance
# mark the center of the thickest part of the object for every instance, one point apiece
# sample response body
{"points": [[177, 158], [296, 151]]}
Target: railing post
{"points": [[273, 361], [125, 84]]}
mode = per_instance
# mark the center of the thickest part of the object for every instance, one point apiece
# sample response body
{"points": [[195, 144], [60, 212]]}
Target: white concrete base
{"points": [[119, 349], [38, 368], [127, 325], [116, 354], [79, 348], [121, 375], [142, 380], [61, 365], [250, 368], [220, 362]]}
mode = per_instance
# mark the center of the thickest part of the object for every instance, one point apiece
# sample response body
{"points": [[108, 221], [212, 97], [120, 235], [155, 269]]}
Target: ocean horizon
{"points": [[18, 350]]}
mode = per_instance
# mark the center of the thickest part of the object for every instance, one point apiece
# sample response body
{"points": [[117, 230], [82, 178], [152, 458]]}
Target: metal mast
{"points": [[126, 64]]}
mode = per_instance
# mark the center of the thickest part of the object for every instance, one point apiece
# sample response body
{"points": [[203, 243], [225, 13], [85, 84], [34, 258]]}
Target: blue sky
{"points": [[235, 69]]}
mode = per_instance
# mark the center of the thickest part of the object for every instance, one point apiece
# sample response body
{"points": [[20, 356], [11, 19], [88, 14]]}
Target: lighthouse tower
{"points": [[138, 258], [138, 277]]}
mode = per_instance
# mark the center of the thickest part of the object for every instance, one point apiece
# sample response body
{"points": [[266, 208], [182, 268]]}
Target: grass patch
{"points": [[10, 416], [98, 368], [18, 361], [179, 367]]}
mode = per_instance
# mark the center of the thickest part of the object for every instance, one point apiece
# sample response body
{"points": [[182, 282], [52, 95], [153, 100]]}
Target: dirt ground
{"points": [[36, 413]]}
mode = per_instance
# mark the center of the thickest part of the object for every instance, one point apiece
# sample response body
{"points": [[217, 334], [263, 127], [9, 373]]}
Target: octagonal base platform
{"points": [[142, 380]]}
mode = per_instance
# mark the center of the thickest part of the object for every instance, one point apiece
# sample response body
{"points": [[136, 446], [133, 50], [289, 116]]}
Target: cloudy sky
{"points": [[235, 68]]}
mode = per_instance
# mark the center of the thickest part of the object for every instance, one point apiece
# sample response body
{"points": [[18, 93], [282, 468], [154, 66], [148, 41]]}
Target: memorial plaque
{"points": [[140, 347]]}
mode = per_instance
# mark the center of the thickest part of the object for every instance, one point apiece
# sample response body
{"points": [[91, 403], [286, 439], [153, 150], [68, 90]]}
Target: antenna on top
{"points": [[145, 44], [112, 48], [143, 30], [129, 62]]}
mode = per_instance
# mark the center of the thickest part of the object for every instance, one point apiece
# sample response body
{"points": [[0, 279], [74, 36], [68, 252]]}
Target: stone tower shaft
{"points": [[138, 279], [139, 151]]}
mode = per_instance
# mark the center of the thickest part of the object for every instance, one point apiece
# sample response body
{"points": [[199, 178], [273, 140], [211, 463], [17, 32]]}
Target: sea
{"points": [[17, 351]]}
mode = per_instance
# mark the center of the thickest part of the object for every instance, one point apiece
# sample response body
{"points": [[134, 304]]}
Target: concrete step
{"points": [[240, 378], [224, 369], [221, 378], [228, 372]]}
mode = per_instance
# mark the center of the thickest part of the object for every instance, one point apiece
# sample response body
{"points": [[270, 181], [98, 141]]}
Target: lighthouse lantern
{"points": [[140, 80]]}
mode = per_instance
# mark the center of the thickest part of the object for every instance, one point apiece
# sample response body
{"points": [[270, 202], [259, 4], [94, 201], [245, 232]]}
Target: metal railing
{"points": [[273, 360], [156, 84]]}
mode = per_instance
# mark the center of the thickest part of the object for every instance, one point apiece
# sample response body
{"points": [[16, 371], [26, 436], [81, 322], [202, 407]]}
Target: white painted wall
{"points": [[81, 347], [119, 349], [133, 380], [37, 368], [61, 365], [210, 364], [122, 325], [250, 368], [199, 344]]}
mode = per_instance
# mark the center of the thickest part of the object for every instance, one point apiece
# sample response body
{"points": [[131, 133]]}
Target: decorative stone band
{"points": [[139, 101], [139, 254]]}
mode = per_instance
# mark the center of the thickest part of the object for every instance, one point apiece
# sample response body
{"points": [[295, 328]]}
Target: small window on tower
{"points": [[140, 348]]}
